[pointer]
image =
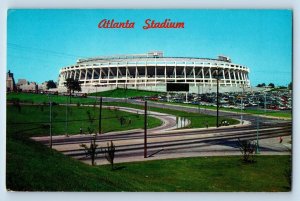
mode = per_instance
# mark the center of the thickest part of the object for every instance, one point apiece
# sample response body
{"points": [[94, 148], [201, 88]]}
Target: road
{"points": [[165, 142], [178, 143], [168, 121]]}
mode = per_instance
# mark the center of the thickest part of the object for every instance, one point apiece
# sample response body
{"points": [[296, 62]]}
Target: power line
{"points": [[17, 46]]}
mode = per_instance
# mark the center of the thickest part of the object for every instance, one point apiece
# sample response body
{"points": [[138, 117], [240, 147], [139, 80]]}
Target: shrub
{"points": [[110, 154], [247, 147]]}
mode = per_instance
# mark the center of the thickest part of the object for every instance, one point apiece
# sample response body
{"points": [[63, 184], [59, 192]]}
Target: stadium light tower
{"points": [[217, 97]]}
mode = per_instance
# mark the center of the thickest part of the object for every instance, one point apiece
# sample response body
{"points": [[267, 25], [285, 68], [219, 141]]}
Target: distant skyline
{"points": [[40, 42]]}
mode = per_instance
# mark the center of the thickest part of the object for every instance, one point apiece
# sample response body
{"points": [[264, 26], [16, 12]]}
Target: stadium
{"points": [[151, 71]]}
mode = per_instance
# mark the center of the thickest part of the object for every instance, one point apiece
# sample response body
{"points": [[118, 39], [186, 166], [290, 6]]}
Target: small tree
{"points": [[261, 85], [51, 84], [247, 147], [271, 85], [290, 86], [90, 128], [122, 120], [92, 150], [72, 85], [110, 153]]}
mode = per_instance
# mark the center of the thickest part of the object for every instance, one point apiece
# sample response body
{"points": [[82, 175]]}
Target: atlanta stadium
{"points": [[152, 71]]}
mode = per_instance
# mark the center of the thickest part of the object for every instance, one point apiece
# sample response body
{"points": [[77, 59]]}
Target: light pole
{"points": [[100, 115], [242, 104], [50, 124], [100, 111], [265, 101], [198, 99], [145, 130], [241, 110], [66, 125], [217, 96], [257, 133]]}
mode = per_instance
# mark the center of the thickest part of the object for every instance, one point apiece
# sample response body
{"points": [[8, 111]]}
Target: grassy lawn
{"points": [[197, 120], [43, 98], [122, 93], [34, 167], [34, 120], [31, 166]]}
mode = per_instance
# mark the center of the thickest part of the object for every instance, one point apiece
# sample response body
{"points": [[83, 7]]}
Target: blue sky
{"points": [[40, 42]]}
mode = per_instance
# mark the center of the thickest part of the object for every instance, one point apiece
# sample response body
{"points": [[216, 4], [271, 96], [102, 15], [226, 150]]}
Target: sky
{"points": [[40, 42]]}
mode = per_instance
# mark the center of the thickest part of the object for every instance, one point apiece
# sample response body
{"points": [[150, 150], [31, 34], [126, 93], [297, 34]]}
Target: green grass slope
{"points": [[34, 167]]}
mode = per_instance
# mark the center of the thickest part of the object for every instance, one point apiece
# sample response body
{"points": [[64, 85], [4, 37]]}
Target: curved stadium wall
{"points": [[152, 71]]}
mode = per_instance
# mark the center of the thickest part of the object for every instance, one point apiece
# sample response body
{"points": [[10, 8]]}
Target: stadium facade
{"points": [[151, 71]]}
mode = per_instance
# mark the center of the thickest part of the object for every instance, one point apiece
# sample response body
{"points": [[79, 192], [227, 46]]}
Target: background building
{"points": [[152, 71], [25, 86], [10, 82]]}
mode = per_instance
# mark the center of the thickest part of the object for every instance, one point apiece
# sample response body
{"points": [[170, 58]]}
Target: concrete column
{"points": [[242, 77], [228, 70], [85, 76], [71, 73], [239, 78], [80, 71], [210, 77], [100, 75], [93, 71], [224, 78], [108, 76], [234, 76], [117, 79], [75, 75], [136, 74], [203, 76]]}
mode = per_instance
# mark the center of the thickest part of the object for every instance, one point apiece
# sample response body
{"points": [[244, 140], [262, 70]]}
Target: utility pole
{"points": [[145, 131], [50, 104], [265, 102], [241, 110], [198, 99], [257, 133], [217, 98], [242, 105], [100, 115], [66, 126]]}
